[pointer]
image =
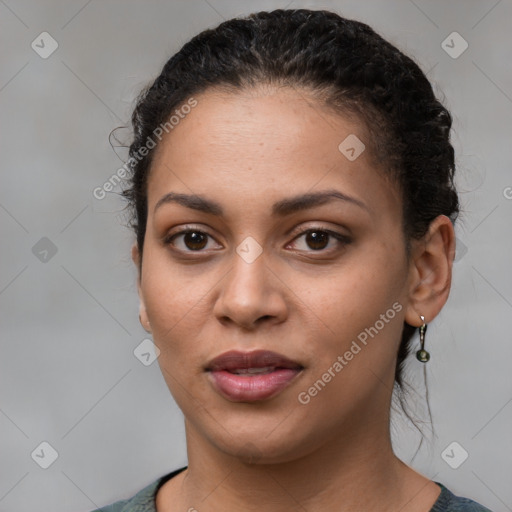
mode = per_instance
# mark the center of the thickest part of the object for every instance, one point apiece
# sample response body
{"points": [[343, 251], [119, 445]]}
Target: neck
{"points": [[345, 473]]}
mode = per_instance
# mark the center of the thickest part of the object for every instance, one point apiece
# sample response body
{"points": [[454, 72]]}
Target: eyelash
{"points": [[342, 239]]}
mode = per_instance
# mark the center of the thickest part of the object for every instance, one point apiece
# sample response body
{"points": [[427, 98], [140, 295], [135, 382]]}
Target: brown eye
{"points": [[192, 240], [195, 240], [316, 239]]}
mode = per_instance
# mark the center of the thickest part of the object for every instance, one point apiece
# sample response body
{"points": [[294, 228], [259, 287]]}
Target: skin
{"points": [[246, 151]]}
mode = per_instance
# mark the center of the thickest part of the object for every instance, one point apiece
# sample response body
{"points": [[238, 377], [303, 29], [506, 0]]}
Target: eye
{"points": [[192, 240], [318, 239]]}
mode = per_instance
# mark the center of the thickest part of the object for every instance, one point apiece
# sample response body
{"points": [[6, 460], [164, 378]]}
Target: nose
{"points": [[251, 294]]}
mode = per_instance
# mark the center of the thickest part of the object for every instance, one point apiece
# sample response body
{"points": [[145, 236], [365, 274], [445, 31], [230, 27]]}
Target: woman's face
{"points": [[248, 277]]}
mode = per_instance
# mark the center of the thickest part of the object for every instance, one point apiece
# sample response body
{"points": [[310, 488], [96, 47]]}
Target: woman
{"points": [[293, 201]]}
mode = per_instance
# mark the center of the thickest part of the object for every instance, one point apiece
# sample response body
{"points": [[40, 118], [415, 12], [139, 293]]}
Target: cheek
{"points": [[169, 300], [172, 305], [353, 350], [168, 293], [361, 305]]}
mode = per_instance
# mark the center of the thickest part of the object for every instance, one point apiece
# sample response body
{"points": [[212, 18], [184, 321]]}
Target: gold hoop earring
{"points": [[422, 355]]}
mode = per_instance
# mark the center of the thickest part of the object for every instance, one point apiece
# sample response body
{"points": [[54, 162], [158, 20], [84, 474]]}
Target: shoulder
{"points": [[143, 501], [449, 502]]}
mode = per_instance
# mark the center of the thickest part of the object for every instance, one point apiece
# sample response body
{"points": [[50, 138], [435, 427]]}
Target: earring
{"points": [[422, 355]]}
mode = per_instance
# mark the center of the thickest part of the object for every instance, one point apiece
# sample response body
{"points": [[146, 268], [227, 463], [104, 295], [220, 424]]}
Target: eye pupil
{"points": [[317, 237], [193, 238]]}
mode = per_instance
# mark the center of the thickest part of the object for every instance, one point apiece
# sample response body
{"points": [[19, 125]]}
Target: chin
{"points": [[262, 442]]}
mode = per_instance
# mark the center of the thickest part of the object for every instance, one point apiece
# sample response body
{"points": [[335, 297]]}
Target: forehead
{"points": [[285, 121], [265, 141]]}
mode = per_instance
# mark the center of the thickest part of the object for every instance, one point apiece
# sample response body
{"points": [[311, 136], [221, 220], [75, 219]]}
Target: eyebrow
{"points": [[279, 209]]}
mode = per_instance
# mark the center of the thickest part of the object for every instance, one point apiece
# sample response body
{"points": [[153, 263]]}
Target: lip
{"points": [[251, 387]]}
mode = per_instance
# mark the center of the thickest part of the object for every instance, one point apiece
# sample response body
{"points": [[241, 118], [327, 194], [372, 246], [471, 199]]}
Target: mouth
{"points": [[251, 376]]}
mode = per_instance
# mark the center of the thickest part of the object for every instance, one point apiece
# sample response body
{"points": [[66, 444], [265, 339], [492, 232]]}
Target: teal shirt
{"points": [[144, 500]]}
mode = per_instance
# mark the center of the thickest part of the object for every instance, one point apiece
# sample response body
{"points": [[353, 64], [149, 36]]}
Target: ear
{"points": [[430, 272], [143, 316]]}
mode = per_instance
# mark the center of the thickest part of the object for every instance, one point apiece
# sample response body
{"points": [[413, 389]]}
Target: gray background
{"points": [[69, 325]]}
